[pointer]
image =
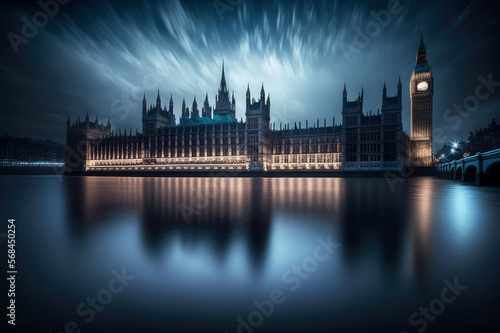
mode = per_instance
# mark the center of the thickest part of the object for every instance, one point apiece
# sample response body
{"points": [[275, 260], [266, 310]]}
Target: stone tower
{"points": [[155, 118], [421, 91], [224, 105], [258, 133]]}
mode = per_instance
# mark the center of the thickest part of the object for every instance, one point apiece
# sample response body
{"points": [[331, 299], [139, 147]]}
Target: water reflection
{"points": [[194, 209], [422, 224], [213, 209], [204, 249], [371, 215]]}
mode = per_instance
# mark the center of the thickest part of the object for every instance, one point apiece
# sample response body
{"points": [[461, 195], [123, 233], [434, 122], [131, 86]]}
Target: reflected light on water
{"points": [[204, 249]]}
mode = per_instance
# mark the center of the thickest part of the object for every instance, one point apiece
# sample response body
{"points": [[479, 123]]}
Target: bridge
{"points": [[481, 169]]}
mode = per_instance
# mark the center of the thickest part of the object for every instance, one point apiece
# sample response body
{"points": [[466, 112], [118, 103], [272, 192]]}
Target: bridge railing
{"points": [[450, 170], [487, 155]]}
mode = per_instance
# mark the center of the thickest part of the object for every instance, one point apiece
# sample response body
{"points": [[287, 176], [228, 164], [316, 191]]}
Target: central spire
{"points": [[223, 79], [224, 105], [422, 53]]}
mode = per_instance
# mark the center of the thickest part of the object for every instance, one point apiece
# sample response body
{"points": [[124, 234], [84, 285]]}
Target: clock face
{"points": [[423, 86]]}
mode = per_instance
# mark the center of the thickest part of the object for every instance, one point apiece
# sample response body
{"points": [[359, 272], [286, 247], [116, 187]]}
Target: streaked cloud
{"points": [[88, 59]]}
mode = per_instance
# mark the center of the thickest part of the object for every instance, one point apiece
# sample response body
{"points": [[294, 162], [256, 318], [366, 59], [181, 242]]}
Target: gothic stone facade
{"points": [[373, 142], [215, 140], [220, 142]]}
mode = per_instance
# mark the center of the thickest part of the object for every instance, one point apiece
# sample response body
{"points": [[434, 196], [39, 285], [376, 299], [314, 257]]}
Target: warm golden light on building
{"points": [[421, 92]]}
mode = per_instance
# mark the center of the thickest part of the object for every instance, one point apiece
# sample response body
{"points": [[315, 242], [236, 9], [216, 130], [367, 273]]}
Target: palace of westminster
{"points": [[216, 140]]}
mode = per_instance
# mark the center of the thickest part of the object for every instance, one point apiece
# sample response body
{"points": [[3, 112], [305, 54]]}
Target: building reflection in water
{"points": [[365, 213], [196, 209], [373, 218], [203, 249], [422, 212]]}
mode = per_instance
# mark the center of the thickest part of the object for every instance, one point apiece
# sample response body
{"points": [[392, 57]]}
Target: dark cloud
{"points": [[102, 56]]}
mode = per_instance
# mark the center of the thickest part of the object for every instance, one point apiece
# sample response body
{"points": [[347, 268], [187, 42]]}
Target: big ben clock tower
{"points": [[421, 91]]}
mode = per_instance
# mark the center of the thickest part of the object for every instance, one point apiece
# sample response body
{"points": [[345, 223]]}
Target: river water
{"points": [[252, 255]]}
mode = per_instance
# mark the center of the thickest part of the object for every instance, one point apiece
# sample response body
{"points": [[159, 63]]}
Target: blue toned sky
{"points": [[103, 56]]}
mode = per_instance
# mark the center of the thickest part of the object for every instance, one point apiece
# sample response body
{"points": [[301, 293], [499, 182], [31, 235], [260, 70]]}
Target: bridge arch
{"points": [[482, 168], [458, 173], [493, 168], [492, 173], [470, 173]]}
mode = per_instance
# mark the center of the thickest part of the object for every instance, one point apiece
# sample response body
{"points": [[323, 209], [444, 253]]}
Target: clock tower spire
{"points": [[421, 92]]}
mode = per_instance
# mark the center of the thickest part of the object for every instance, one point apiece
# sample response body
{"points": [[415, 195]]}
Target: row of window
{"points": [[307, 140], [307, 158], [388, 157], [306, 149]]}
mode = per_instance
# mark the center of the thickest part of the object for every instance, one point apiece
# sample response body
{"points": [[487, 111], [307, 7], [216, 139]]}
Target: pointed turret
{"points": [[361, 99], [384, 94], [158, 101], [68, 123], [207, 110], [248, 97], [171, 105], [262, 94], [400, 89], [194, 110], [344, 97], [144, 105], [185, 112]]}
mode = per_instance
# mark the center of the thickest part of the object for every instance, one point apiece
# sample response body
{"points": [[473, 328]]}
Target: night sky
{"points": [[102, 57]]}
